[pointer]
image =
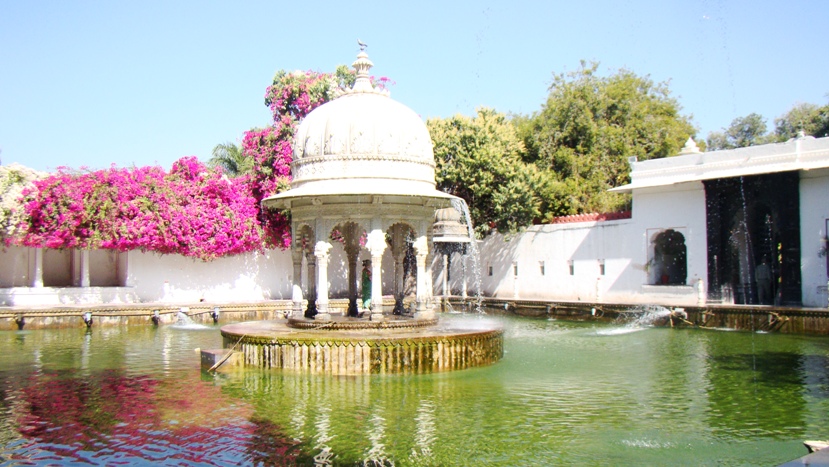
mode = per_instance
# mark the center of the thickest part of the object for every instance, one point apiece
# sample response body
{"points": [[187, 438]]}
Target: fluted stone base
{"points": [[273, 344]]}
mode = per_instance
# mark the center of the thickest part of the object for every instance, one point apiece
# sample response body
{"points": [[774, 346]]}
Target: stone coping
{"points": [[277, 330], [338, 323]]}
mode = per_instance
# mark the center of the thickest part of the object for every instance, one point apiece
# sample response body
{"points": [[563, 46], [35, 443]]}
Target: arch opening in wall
{"points": [[669, 263]]}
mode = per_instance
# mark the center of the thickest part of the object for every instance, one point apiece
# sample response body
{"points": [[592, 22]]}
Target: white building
{"points": [[700, 227]]}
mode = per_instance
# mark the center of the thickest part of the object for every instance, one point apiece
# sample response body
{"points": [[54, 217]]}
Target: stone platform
{"points": [[376, 349]]}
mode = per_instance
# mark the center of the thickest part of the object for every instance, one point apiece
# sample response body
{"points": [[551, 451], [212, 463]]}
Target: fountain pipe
{"points": [[87, 319]]}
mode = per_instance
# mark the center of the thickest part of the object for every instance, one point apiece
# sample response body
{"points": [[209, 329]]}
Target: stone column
{"points": [[311, 311], [445, 279], [463, 290], [36, 279], [398, 252], [428, 280], [321, 252], [376, 245], [296, 291], [352, 252], [85, 282], [421, 247], [80, 268]]}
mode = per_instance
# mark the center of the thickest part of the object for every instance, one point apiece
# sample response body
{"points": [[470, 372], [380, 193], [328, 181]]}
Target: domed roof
{"points": [[362, 142]]}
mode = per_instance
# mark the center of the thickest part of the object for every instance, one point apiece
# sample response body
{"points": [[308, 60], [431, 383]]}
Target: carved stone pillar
{"points": [[321, 252], [36, 278], [80, 268], [463, 289], [421, 247], [296, 291], [352, 252], [311, 311], [398, 252], [376, 245]]}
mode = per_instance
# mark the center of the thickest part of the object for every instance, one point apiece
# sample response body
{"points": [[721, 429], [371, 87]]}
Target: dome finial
{"points": [[690, 147], [362, 65]]}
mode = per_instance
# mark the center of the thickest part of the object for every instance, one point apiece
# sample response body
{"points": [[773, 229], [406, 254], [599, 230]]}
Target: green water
{"points": [[565, 393]]}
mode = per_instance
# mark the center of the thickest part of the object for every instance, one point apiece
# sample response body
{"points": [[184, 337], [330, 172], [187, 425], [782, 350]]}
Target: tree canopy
{"points": [[231, 159], [743, 132], [480, 160], [751, 130], [589, 127]]}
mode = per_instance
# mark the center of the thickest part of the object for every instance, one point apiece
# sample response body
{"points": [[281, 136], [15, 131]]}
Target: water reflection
{"points": [[565, 393]]}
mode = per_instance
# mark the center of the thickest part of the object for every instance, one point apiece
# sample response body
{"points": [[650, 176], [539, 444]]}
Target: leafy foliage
{"points": [[743, 132], [480, 160], [587, 130], [231, 159], [809, 118], [14, 180]]}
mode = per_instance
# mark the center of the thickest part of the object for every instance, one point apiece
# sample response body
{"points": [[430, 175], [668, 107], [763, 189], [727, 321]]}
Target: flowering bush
{"points": [[192, 211], [291, 97], [14, 179]]}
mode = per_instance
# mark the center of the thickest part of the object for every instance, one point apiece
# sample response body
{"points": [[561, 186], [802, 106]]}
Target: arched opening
{"points": [[400, 238], [668, 265], [352, 237]]}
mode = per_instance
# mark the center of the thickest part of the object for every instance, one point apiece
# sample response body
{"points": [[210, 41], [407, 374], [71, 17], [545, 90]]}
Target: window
{"points": [[541, 265], [668, 265], [601, 267], [515, 269], [490, 270], [572, 267]]}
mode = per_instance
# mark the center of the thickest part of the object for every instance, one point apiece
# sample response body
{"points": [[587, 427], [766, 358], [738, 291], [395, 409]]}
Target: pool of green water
{"points": [[565, 393]]}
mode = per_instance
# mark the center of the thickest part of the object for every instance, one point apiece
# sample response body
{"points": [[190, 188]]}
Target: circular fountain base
{"points": [[349, 346]]}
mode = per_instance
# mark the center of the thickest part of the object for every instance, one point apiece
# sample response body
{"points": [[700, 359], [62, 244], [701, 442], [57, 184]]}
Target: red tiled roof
{"points": [[592, 217]]}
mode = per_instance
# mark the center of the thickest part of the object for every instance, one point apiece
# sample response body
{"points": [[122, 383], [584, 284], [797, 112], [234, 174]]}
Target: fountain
{"points": [[364, 179]]}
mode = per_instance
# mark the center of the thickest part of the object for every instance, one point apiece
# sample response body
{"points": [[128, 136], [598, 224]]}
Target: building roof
{"points": [[802, 153]]}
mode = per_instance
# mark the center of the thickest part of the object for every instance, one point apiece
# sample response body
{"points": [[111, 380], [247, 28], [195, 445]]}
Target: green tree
{"points": [[589, 127], [231, 159], [813, 120], [743, 132], [480, 160]]}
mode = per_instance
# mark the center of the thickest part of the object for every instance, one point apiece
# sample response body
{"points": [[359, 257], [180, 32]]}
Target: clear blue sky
{"points": [[91, 83]]}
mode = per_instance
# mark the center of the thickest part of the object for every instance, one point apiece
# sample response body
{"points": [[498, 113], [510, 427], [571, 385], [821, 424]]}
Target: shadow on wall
{"points": [[245, 277], [579, 262], [497, 255]]}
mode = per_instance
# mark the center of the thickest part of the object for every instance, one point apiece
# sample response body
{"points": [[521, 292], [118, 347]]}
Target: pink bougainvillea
{"points": [[290, 98], [191, 210]]}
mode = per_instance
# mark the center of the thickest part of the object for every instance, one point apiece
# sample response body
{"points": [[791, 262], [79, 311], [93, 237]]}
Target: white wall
{"points": [[57, 268], [246, 277], [175, 278], [814, 213], [15, 267], [624, 246], [103, 268]]}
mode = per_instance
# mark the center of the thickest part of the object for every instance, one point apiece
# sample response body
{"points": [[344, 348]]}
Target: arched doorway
{"points": [[669, 264]]}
